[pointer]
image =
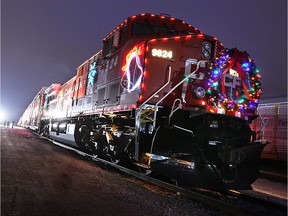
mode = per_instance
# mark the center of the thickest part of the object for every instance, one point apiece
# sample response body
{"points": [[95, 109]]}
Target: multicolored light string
{"points": [[234, 82]]}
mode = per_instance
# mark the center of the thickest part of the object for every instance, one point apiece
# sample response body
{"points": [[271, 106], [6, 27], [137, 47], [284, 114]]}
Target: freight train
{"points": [[272, 124], [170, 98]]}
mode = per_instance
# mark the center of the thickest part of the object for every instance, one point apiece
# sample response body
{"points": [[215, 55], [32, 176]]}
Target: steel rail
{"points": [[255, 199], [192, 195], [204, 199]]}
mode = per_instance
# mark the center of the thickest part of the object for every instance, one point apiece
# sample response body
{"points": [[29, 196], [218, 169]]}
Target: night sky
{"points": [[43, 41]]}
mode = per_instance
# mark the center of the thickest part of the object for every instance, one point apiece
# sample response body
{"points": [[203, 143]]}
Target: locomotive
{"points": [[165, 95]]}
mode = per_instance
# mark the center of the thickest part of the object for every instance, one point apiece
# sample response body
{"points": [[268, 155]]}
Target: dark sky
{"points": [[43, 41]]}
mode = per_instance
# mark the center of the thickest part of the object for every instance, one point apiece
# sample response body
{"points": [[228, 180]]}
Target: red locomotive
{"points": [[167, 96]]}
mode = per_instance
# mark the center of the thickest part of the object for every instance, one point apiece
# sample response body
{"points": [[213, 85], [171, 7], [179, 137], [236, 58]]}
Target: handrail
{"points": [[176, 86], [160, 89], [182, 81], [263, 123], [168, 93], [174, 110]]}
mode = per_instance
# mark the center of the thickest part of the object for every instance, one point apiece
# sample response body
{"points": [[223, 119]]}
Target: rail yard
{"points": [[162, 120]]}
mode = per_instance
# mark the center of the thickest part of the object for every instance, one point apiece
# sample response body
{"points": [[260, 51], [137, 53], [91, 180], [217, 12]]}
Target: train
{"points": [[168, 97]]}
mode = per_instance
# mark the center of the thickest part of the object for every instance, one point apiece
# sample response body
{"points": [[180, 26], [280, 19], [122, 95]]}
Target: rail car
{"points": [[272, 126], [170, 98]]}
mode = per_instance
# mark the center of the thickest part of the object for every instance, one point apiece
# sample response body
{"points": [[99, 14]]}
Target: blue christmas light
{"points": [[215, 72], [246, 66]]}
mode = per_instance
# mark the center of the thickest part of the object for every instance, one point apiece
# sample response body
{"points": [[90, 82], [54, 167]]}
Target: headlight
{"points": [[214, 124], [199, 92], [206, 49], [206, 54], [207, 45]]}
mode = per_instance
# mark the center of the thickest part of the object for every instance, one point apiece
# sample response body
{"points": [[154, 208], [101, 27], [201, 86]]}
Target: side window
{"points": [[108, 46], [123, 35], [105, 47], [116, 40]]}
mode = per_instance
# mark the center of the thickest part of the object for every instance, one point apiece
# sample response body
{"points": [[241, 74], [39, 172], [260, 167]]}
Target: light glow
{"points": [[2, 115], [161, 53], [233, 72], [91, 74], [133, 70]]}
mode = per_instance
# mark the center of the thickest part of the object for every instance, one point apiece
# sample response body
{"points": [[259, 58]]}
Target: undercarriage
{"points": [[193, 149]]}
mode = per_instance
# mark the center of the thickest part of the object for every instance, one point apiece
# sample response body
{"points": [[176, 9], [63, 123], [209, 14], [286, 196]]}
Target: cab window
{"points": [[115, 41], [144, 29]]}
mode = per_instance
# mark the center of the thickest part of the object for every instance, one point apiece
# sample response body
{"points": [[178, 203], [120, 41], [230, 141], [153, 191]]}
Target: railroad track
{"points": [[232, 202]]}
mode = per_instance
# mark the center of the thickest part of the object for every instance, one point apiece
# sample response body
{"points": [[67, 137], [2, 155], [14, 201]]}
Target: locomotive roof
{"points": [[273, 100], [166, 20]]}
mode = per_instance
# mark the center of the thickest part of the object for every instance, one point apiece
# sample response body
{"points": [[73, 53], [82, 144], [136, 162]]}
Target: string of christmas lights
{"points": [[234, 82]]}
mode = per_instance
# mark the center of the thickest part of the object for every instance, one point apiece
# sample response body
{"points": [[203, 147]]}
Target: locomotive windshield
{"points": [[144, 29]]}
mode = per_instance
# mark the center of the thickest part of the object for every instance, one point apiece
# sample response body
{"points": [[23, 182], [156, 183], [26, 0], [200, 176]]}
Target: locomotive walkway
{"points": [[39, 178]]}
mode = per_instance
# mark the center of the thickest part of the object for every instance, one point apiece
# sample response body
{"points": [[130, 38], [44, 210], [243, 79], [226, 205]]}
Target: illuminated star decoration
{"points": [[132, 69], [234, 82]]}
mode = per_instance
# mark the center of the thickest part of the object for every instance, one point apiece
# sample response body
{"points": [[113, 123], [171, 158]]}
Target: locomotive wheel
{"points": [[229, 174], [90, 148], [120, 152], [115, 159], [145, 171], [94, 152]]}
